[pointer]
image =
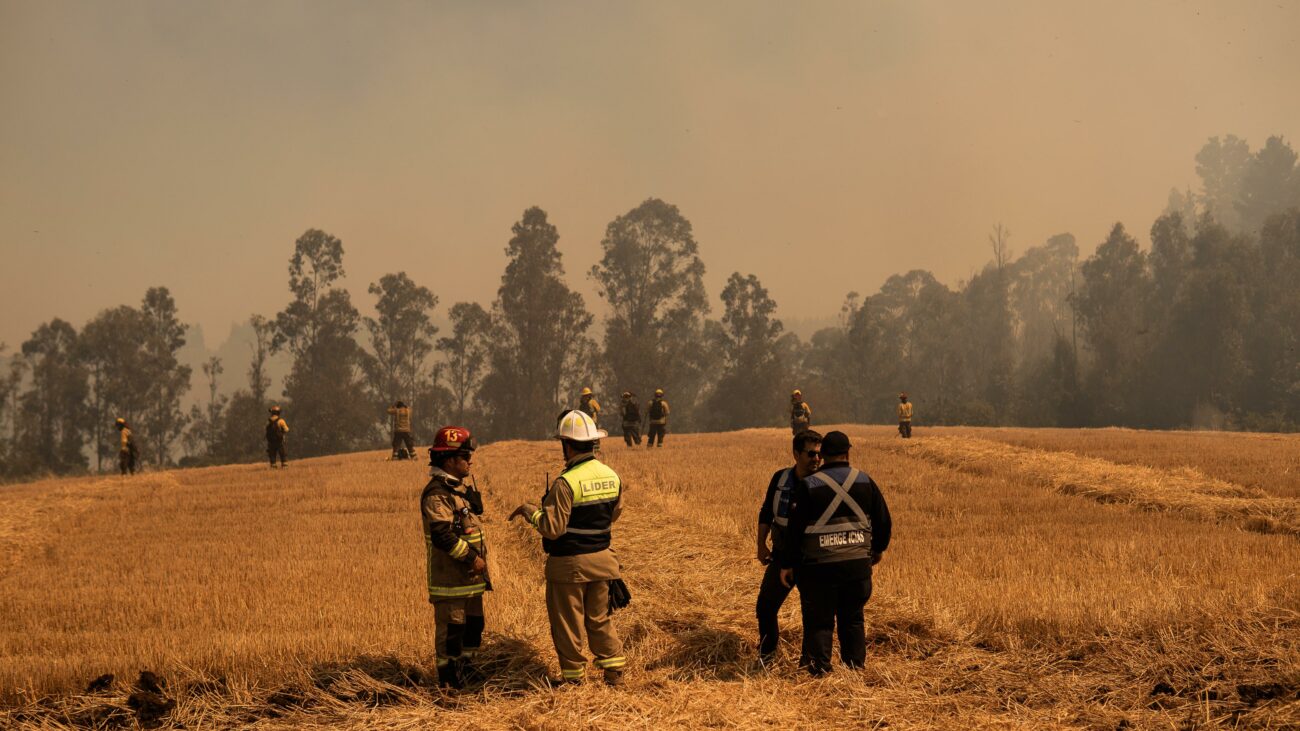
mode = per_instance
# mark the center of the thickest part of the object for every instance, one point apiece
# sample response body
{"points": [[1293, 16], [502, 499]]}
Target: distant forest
{"points": [[1197, 330]]}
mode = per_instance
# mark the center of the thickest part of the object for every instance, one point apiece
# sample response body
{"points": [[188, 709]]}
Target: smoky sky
{"points": [[822, 146]]}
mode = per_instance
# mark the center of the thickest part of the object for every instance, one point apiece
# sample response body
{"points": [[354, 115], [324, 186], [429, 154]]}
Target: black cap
{"points": [[836, 442]]}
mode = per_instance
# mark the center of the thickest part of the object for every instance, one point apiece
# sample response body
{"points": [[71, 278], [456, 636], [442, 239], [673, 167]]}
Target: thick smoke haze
{"points": [[821, 146]]}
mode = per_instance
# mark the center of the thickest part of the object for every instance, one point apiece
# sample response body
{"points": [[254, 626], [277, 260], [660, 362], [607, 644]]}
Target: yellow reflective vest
{"points": [[596, 491]]}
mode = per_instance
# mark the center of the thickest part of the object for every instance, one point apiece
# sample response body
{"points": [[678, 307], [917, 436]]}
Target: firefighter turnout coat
{"points": [[401, 418], [453, 537]]}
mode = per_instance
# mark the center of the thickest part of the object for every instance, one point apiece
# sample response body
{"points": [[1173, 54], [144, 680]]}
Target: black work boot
{"points": [[470, 672], [449, 675]]}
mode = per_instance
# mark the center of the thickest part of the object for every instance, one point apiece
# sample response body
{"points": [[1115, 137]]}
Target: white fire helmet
{"points": [[577, 426]]}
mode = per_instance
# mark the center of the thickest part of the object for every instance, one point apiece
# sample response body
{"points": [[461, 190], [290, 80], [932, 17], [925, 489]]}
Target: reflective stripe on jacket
{"points": [[843, 531], [781, 506], [596, 489]]}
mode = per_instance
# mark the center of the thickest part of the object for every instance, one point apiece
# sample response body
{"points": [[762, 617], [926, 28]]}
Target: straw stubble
{"points": [[1001, 603]]}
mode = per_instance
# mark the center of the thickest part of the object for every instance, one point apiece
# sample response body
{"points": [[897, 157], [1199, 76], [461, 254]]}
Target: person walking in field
{"points": [[904, 416], [457, 554], [631, 419], [800, 413], [403, 443], [277, 430], [658, 412], [588, 405], [773, 521], [839, 526], [127, 451], [575, 520]]}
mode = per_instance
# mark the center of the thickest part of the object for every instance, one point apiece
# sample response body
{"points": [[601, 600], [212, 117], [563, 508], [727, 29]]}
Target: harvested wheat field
{"points": [[1036, 580]]}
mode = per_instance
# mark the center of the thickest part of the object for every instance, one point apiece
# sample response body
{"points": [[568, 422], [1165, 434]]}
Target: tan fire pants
{"points": [[458, 628], [576, 610]]}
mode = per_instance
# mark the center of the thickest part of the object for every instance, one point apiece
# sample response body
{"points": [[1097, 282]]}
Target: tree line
{"points": [[1199, 329]]}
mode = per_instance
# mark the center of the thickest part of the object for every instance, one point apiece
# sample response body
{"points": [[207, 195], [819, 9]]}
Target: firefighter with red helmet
{"points": [[457, 554]]}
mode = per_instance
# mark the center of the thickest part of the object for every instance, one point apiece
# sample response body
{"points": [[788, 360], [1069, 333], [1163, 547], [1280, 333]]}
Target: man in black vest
{"points": [[774, 520], [839, 527]]}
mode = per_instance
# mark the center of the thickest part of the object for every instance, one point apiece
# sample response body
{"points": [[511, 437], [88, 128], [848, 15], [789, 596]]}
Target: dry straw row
{"points": [[1185, 491]]}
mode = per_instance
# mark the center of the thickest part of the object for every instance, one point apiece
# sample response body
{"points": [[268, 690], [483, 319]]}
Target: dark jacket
{"points": [[775, 510], [811, 500]]}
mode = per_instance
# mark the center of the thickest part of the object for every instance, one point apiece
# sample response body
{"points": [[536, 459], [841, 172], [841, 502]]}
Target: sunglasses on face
{"points": [[813, 454]]}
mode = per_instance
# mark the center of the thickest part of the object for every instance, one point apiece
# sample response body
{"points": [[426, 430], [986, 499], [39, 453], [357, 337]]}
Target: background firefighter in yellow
{"points": [[800, 412], [658, 412], [588, 405], [904, 416], [453, 540], [403, 443], [276, 431], [575, 519], [127, 451]]}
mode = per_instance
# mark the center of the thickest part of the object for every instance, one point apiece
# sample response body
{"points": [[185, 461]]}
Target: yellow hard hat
{"points": [[586, 391], [659, 392], [120, 421], [797, 392]]}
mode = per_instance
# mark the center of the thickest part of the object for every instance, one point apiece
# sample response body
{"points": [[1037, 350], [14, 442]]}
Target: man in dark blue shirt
{"points": [[773, 517], [838, 528]]}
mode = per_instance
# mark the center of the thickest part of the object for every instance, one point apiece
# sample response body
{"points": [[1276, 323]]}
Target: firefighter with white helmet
{"points": [[575, 519], [457, 563]]}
